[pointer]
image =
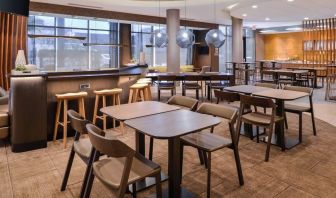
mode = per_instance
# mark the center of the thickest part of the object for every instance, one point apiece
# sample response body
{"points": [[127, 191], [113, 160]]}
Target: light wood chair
{"points": [[181, 101], [65, 98], [257, 118], [210, 142], [122, 168], [299, 109], [115, 96], [137, 91]]}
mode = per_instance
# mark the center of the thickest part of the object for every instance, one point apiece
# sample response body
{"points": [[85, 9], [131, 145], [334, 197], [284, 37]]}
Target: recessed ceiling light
{"points": [[267, 19], [306, 18], [244, 15], [254, 6], [290, 0]]}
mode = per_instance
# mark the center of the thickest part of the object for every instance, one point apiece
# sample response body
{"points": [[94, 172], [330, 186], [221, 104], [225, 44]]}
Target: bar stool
{"points": [[137, 91], [115, 95], [79, 96]]}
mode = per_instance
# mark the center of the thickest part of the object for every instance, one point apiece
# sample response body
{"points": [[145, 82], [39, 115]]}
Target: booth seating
{"points": [[4, 118]]}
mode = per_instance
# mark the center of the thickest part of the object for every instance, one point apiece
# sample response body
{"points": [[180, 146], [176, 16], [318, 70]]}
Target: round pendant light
{"points": [[159, 38], [215, 38], [185, 38]]}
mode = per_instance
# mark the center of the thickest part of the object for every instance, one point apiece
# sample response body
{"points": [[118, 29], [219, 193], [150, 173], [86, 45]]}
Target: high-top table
{"points": [[283, 72], [246, 65], [310, 69], [171, 126], [280, 96]]}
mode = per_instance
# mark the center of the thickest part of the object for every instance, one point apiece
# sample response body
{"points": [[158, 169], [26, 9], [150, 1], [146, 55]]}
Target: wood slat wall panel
{"points": [[13, 37]]}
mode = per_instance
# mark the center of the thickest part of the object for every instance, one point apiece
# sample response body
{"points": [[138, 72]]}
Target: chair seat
{"points": [[70, 96], [259, 118], [206, 141], [190, 85], [296, 108], [83, 147], [138, 86], [166, 85], [108, 91], [110, 170]]}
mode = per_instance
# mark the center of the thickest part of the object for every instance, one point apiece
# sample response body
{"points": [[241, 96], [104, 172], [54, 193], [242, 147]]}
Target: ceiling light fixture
{"points": [[267, 19], [306, 18], [215, 37], [185, 38], [244, 15], [290, 0], [254, 6], [159, 38]]}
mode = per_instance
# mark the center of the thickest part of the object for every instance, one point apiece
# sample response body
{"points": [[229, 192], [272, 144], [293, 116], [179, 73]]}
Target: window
{"points": [[141, 42], [52, 54], [250, 45], [225, 52]]}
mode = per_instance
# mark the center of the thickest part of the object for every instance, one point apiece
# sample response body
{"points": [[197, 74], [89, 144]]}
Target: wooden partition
{"points": [[13, 37]]}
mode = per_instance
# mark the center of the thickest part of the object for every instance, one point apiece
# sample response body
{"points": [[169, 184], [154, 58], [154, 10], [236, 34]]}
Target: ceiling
{"points": [[277, 12]]}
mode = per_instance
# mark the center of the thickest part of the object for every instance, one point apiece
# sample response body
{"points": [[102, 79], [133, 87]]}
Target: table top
{"points": [[280, 94], [189, 74], [308, 68], [139, 109], [246, 89], [284, 71], [172, 124]]}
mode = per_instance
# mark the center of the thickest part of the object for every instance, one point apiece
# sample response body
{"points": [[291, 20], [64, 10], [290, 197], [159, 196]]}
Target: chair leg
{"points": [[300, 127], [95, 110], [197, 94], [286, 122], [313, 122], [205, 158], [68, 169], [151, 145], [238, 165], [58, 112], [134, 191], [130, 97], [172, 92], [158, 185], [181, 160], [89, 176], [65, 123], [104, 116], [209, 176], [200, 156], [257, 134], [159, 95], [269, 142]]}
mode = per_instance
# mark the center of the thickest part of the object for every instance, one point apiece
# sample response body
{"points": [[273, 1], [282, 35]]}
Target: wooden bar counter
{"points": [[33, 102]]}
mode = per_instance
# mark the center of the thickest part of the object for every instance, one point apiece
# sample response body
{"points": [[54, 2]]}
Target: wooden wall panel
{"points": [[283, 46], [13, 37]]}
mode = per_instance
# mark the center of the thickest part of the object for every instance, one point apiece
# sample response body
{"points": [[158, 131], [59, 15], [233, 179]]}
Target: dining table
{"points": [[247, 66], [280, 96], [277, 73], [314, 70], [171, 126]]}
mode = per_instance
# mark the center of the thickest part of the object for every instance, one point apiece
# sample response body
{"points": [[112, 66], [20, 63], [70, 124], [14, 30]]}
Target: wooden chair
{"points": [[209, 142], [115, 96], [297, 109], [226, 96], [181, 101], [166, 82], [122, 168], [190, 82], [64, 99], [259, 119], [216, 83], [81, 146]]}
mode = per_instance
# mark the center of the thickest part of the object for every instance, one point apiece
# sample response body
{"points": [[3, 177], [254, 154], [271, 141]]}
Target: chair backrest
{"points": [[256, 101], [77, 122], [300, 89], [229, 113], [226, 96], [205, 69], [114, 148], [184, 101], [268, 85], [167, 77]]}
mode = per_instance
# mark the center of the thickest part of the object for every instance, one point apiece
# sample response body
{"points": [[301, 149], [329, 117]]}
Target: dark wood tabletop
{"points": [[172, 124], [135, 110]]}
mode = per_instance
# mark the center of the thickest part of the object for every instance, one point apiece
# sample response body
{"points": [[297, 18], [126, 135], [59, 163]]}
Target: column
{"points": [[237, 39], [173, 50]]}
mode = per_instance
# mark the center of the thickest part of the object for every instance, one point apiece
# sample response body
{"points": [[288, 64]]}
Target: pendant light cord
{"points": [[185, 14], [159, 13]]}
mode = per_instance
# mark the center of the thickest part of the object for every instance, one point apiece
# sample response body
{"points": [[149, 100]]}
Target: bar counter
{"points": [[32, 105]]}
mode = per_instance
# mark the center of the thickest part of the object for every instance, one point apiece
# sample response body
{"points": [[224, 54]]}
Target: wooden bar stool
{"points": [[115, 95], [137, 91], [79, 96], [147, 91]]}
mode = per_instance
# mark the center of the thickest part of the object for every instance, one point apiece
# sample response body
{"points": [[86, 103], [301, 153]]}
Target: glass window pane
{"points": [[136, 28], [100, 55], [31, 20], [160, 56], [44, 20], [146, 28], [72, 23], [100, 25]]}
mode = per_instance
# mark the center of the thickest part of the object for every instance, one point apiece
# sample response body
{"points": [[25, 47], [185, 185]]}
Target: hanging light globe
{"points": [[159, 38], [215, 38], [185, 38]]}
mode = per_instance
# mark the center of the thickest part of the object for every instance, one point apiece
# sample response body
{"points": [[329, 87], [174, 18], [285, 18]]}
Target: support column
{"points": [[237, 39], [173, 50]]}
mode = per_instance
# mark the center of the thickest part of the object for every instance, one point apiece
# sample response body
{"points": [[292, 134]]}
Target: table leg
{"points": [[140, 143], [246, 74], [174, 169], [315, 79]]}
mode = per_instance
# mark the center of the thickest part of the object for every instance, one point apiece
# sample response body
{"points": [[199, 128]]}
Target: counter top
{"points": [[123, 71]]}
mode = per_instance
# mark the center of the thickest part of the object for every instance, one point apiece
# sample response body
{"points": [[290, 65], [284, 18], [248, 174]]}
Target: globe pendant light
{"points": [[159, 38], [215, 37], [185, 38]]}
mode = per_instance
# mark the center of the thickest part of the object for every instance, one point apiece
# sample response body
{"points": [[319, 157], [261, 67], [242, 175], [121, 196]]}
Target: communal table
{"points": [[171, 125], [246, 65], [310, 69], [283, 72], [136, 110], [280, 96]]}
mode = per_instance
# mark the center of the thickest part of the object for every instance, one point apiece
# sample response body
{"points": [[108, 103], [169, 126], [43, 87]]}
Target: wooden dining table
{"points": [[314, 70], [280, 96], [171, 126]]}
